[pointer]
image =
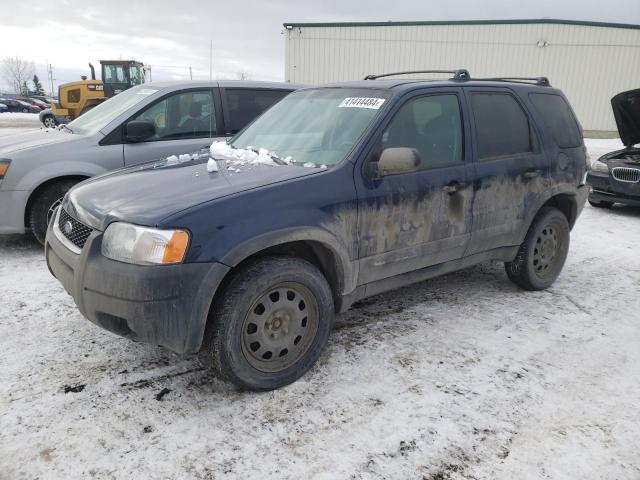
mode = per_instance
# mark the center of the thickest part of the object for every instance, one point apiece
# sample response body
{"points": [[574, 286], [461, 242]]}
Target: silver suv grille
{"points": [[74, 231], [624, 174]]}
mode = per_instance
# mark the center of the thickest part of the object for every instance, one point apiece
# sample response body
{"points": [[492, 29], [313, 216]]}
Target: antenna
{"points": [[210, 60], [212, 105]]}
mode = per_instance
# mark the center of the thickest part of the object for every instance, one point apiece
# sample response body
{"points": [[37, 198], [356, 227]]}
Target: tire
{"points": [[43, 205], [49, 121], [249, 320], [25, 110], [600, 204], [543, 252]]}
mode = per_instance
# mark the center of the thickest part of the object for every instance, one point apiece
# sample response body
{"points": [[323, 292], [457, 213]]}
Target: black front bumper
{"points": [[604, 188], [164, 305]]}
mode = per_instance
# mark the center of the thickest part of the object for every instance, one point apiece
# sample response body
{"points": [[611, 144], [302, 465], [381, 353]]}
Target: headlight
{"points": [[143, 245], [4, 166], [599, 167]]}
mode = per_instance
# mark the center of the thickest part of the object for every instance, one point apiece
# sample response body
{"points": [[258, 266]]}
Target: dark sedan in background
{"points": [[615, 177], [19, 106]]}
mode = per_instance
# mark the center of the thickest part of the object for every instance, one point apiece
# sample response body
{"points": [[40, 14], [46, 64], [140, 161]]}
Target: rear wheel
{"points": [[25, 110], [49, 121], [44, 205], [600, 204], [543, 252], [270, 324]]}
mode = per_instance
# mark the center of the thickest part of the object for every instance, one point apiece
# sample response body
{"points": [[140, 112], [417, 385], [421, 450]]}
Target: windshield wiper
{"points": [[65, 126]]}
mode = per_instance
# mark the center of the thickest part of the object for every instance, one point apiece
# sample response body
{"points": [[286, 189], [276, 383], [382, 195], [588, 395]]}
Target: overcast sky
{"points": [[246, 35]]}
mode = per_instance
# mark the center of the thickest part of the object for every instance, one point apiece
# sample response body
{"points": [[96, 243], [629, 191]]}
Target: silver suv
{"points": [[142, 124]]}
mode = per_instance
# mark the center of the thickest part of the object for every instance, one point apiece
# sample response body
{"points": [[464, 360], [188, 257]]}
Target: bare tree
{"points": [[17, 72], [244, 75]]}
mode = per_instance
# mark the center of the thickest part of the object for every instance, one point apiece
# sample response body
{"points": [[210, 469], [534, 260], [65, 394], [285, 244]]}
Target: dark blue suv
{"points": [[245, 253]]}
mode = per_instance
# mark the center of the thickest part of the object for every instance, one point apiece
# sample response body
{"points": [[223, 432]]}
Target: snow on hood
{"points": [[239, 157]]}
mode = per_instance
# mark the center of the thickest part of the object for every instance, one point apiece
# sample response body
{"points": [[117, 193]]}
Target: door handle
{"points": [[530, 174], [452, 187]]}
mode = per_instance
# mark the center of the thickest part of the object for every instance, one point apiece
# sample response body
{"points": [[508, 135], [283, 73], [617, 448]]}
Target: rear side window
{"points": [[502, 126], [245, 104], [558, 116]]}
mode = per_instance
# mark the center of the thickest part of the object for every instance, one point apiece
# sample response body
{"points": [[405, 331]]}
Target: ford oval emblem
{"points": [[67, 227]]}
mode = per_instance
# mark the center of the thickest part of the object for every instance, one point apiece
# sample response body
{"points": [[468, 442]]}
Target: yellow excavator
{"points": [[76, 98]]}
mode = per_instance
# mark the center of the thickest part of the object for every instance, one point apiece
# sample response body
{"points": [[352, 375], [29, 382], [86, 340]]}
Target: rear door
{"points": [[185, 122], [413, 220], [511, 170], [242, 105]]}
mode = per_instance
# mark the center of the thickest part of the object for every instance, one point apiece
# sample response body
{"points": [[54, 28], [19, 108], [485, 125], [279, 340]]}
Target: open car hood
{"points": [[626, 110]]}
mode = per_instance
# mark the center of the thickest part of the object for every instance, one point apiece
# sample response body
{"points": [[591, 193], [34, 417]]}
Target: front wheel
{"points": [[44, 205], [24, 110], [543, 252], [270, 324]]}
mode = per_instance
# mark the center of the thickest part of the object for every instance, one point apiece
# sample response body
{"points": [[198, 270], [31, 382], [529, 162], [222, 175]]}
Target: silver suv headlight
{"points": [[129, 243], [599, 167]]}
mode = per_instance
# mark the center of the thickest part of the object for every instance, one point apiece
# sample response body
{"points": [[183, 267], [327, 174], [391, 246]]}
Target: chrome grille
{"points": [[624, 174], [74, 231]]}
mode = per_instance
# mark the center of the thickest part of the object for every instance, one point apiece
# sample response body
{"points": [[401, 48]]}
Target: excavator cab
{"points": [[76, 98], [119, 75]]}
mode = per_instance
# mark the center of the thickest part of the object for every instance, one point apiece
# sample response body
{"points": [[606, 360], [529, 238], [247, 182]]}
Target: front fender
{"points": [[45, 172], [346, 269]]}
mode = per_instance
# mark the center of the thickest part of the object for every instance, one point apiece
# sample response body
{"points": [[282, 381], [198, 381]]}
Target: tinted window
{"points": [[558, 116], [502, 127], [432, 125], [182, 115], [113, 74], [245, 105]]}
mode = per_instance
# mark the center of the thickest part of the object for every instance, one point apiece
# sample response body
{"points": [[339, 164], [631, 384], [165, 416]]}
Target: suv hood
{"points": [[626, 110], [148, 194], [36, 138]]}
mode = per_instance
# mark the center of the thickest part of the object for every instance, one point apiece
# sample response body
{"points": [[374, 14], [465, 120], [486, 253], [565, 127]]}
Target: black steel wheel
{"points": [[269, 325], [542, 254], [279, 327]]}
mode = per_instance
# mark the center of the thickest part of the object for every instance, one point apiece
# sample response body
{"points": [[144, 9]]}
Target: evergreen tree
{"points": [[24, 89], [37, 86]]}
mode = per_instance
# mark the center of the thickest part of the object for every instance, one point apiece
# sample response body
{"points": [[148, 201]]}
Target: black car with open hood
{"points": [[615, 177]]}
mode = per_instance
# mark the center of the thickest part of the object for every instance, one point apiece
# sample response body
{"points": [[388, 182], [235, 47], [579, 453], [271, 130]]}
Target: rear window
{"points": [[246, 104], [502, 127], [557, 114]]}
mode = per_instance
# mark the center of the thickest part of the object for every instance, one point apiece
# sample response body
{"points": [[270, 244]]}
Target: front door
{"points": [[511, 170], [185, 122], [413, 220]]}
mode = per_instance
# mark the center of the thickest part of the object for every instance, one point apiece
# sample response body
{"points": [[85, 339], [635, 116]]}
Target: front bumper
{"points": [[604, 188], [12, 205], [164, 305]]}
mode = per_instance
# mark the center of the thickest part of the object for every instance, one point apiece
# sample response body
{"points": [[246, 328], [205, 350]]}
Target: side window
{"points": [[182, 115], [502, 127], [432, 125], [245, 104], [558, 116]]}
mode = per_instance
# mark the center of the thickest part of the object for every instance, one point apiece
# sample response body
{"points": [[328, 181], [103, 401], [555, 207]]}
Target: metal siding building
{"points": [[589, 61]]}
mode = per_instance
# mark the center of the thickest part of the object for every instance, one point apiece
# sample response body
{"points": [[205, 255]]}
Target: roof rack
{"points": [[542, 81], [460, 74], [463, 75]]}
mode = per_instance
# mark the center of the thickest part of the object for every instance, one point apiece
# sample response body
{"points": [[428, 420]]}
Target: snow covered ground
{"points": [[462, 377], [18, 119]]}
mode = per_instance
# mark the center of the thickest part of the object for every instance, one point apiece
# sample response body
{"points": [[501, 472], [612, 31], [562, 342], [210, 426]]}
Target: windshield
{"points": [[314, 126], [99, 116]]}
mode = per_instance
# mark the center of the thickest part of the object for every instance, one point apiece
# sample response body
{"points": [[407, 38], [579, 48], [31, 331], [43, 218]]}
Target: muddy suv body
{"points": [[335, 194]]}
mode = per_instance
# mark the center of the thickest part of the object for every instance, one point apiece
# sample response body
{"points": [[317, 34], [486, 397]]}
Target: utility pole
{"points": [[50, 72], [190, 74]]}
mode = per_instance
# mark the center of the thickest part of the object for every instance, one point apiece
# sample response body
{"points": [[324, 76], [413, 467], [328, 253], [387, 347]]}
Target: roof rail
{"points": [[542, 81], [460, 74]]}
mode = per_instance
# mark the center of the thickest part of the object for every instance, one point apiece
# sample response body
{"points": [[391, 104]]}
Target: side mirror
{"points": [[398, 160], [139, 130]]}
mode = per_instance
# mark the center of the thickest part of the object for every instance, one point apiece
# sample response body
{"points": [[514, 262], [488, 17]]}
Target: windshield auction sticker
{"points": [[362, 102]]}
